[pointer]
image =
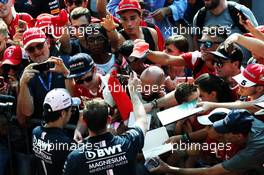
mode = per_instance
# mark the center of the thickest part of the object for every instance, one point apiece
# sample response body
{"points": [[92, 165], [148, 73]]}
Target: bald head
{"points": [[152, 80], [154, 74]]}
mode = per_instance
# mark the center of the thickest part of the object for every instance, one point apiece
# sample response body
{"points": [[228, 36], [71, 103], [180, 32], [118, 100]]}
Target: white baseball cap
{"points": [[214, 115], [59, 98]]}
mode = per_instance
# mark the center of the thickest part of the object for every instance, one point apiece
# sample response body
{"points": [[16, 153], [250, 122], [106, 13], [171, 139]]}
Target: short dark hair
{"points": [[183, 91], [95, 114], [79, 12], [179, 41], [126, 48], [51, 116], [209, 82]]}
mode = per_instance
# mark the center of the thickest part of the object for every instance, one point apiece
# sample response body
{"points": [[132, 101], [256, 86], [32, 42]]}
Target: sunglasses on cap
{"points": [[208, 44], [39, 46], [87, 79]]}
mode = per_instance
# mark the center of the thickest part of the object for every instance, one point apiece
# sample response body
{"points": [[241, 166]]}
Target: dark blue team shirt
{"points": [[51, 146], [106, 154]]}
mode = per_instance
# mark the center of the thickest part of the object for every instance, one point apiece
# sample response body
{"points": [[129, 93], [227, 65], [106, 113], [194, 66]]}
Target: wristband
{"points": [[185, 138], [154, 103]]}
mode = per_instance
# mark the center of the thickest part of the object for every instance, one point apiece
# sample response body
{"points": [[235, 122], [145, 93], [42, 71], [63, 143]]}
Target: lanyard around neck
{"points": [[47, 88]]}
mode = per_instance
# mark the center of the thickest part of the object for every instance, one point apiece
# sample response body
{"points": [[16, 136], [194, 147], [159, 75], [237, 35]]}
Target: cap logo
{"points": [[244, 82], [250, 74], [32, 34], [10, 52], [127, 6], [77, 65]]}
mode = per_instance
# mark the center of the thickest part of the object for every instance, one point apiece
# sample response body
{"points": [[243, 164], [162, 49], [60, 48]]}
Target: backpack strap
{"points": [[201, 19], [198, 67], [233, 11]]}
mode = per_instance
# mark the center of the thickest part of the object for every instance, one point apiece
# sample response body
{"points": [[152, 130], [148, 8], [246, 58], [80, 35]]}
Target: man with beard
{"points": [[223, 13], [219, 12]]}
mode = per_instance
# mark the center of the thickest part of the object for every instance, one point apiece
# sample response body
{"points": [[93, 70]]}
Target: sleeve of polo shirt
{"points": [[136, 137]]}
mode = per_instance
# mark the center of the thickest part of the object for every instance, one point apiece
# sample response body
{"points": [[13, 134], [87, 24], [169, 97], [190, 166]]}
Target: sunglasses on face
{"points": [[207, 44], [7, 67], [219, 63], [81, 81], [39, 46]]}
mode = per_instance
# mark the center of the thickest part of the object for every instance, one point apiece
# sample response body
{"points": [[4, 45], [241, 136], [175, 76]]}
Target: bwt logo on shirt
{"points": [[103, 152]]}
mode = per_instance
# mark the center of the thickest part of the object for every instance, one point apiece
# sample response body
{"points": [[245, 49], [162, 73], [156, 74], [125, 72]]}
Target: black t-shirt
{"points": [[51, 146], [77, 47], [40, 85], [106, 154]]}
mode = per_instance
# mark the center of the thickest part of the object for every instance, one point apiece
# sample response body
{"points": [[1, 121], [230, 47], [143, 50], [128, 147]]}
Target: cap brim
{"points": [[39, 40], [204, 120], [79, 74], [213, 116], [243, 81], [76, 75], [120, 11], [10, 62], [219, 127], [76, 101], [218, 54]]}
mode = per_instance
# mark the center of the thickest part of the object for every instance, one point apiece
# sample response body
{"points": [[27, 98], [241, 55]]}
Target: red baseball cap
{"points": [[252, 75], [33, 35], [12, 56], [259, 28], [128, 5], [51, 24]]}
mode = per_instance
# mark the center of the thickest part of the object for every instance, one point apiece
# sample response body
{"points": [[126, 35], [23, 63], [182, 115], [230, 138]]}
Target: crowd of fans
{"points": [[73, 73]]}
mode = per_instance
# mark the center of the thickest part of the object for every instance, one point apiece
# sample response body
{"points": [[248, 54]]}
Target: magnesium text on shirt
{"points": [[105, 158]]}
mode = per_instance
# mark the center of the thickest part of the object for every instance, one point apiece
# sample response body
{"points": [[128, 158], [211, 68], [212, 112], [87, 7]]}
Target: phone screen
{"points": [[151, 163]]}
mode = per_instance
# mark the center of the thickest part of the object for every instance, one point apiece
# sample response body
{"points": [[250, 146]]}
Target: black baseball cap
{"points": [[232, 52], [80, 64], [235, 121]]}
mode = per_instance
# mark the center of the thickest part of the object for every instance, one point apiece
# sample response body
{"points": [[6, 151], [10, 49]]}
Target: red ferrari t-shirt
{"points": [[192, 60], [14, 24]]}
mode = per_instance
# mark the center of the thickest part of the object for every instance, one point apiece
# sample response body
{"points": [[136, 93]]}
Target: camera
{"points": [[44, 66], [6, 106]]}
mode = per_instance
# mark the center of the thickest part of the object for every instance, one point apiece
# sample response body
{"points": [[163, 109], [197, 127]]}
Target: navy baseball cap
{"points": [[80, 64], [232, 52], [4, 1], [235, 121]]}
